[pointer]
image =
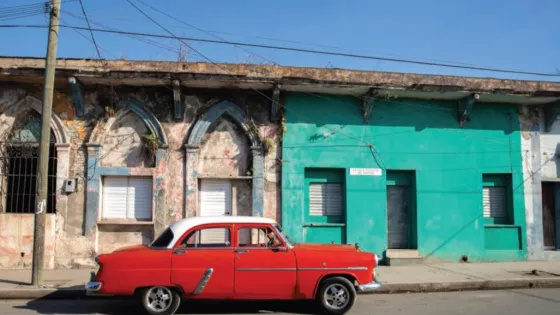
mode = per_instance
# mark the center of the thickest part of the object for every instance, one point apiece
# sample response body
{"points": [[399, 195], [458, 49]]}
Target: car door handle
{"points": [[179, 252], [241, 251]]}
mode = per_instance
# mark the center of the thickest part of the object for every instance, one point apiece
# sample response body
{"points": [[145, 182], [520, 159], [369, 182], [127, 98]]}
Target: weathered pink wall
{"points": [[224, 151]]}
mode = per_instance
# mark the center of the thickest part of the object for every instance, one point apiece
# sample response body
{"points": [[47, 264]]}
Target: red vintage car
{"points": [[234, 257]]}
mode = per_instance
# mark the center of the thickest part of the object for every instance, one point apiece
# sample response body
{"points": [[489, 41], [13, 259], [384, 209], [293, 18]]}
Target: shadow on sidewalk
{"points": [[126, 305], [14, 282]]}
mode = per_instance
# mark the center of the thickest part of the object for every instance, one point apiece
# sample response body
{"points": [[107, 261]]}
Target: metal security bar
{"points": [[19, 162]]}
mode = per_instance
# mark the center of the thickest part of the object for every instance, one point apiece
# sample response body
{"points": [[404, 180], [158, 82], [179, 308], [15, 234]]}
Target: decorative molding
{"points": [[367, 104], [177, 112], [465, 108], [275, 104], [78, 94], [216, 111], [139, 109], [56, 123]]}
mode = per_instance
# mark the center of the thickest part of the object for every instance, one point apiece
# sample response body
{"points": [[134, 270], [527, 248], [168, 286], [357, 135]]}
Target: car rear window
{"points": [[163, 239]]}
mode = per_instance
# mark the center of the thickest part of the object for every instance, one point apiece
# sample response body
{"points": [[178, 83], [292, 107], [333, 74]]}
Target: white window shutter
{"points": [[115, 197], [325, 199], [494, 202], [215, 198], [139, 198], [127, 197]]}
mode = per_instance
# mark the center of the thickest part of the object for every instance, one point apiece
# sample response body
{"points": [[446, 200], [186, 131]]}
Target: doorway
{"points": [[401, 210], [550, 215]]}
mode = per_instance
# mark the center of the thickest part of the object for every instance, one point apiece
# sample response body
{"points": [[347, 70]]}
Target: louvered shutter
{"points": [[215, 200], [325, 199], [127, 197], [115, 197], [139, 198], [494, 202]]}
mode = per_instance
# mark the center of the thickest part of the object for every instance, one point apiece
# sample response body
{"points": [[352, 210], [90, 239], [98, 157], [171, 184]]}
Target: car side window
{"points": [[215, 237], [257, 237]]}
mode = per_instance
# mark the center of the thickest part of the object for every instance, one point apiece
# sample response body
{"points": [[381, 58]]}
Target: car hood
{"points": [[325, 247]]}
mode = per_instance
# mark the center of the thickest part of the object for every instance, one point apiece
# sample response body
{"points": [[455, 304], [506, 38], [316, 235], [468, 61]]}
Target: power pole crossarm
{"points": [[42, 173]]}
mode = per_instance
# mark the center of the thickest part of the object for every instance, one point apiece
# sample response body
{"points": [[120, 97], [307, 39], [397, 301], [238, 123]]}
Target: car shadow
{"points": [[123, 306]]}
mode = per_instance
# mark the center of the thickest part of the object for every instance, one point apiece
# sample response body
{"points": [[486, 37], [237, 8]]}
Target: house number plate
{"points": [[365, 171]]}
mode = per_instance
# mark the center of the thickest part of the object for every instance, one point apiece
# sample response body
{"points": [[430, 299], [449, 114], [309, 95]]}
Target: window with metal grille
{"points": [[127, 197], [21, 162], [496, 201], [325, 199]]}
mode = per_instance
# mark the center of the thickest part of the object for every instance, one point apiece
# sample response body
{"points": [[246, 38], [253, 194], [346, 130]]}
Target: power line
{"points": [[257, 91], [89, 26], [300, 50], [201, 30], [23, 6], [168, 31], [144, 40]]}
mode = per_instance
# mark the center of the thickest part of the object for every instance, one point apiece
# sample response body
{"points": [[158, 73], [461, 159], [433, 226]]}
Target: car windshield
{"points": [[163, 239], [284, 235]]}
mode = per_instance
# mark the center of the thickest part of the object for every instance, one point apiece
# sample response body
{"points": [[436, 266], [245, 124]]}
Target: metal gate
{"points": [[397, 217]]}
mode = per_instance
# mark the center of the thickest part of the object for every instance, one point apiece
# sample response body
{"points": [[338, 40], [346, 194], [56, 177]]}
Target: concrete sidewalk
{"points": [[69, 283]]}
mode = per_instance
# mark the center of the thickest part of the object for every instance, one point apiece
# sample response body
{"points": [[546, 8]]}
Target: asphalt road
{"points": [[510, 302]]}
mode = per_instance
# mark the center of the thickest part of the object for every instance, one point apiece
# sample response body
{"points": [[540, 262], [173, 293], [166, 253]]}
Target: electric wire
{"points": [[320, 52]]}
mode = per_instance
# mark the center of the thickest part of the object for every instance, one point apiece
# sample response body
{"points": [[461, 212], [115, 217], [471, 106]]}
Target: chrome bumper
{"points": [[92, 287], [369, 287]]}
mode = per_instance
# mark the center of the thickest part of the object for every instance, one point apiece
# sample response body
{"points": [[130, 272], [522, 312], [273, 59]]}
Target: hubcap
{"points": [[336, 296], [158, 299]]}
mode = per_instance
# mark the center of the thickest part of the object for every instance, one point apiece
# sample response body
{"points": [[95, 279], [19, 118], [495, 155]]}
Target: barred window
{"points": [[20, 165]]}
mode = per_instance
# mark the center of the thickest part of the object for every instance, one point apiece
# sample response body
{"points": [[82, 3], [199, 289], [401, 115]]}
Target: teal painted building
{"points": [[409, 180]]}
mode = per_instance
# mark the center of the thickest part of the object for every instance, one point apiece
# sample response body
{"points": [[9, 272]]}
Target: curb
{"points": [[389, 288], [476, 285]]}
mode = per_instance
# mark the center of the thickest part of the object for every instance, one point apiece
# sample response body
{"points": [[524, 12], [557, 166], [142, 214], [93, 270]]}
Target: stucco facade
{"points": [[541, 167], [413, 144], [432, 144], [219, 135]]}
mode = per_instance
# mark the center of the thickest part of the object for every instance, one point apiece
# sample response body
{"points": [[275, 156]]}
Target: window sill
{"points": [[224, 177], [324, 224], [124, 222], [497, 226]]}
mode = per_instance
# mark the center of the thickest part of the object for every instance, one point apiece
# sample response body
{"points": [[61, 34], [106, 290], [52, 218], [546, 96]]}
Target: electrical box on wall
{"points": [[70, 185]]}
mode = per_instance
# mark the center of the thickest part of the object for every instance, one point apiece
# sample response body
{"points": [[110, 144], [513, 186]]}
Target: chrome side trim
{"points": [[203, 281], [369, 287], [266, 269], [301, 269], [325, 268]]}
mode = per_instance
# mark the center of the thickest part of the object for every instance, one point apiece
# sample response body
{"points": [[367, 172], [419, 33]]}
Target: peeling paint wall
{"points": [[122, 144], [225, 151], [105, 141], [540, 149]]}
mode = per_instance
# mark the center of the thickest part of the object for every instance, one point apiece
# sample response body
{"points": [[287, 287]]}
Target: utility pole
{"points": [[43, 172]]}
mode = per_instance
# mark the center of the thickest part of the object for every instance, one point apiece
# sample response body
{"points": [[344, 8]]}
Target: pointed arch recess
{"points": [[30, 102], [214, 113], [125, 106]]}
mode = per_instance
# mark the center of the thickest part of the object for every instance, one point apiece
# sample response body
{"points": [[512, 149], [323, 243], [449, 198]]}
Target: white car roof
{"points": [[183, 225]]}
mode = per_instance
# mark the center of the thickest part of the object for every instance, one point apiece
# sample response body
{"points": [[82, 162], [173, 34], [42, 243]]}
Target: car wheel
{"points": [[159, 300], [336, 296]]}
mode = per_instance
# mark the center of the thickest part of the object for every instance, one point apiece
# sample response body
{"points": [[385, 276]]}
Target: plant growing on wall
{"points": [[110, 101], [110, 111], [151, 144], [282, 129], [268, 144]]}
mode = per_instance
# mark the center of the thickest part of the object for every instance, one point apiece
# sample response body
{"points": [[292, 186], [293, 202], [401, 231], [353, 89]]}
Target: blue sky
{"points": [[514, 34]]}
